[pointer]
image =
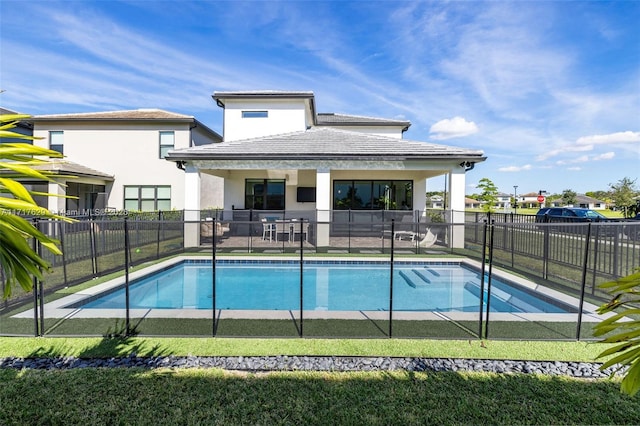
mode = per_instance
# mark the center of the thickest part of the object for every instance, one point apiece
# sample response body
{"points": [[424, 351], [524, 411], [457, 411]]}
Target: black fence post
{"points": [[40, 283], [486, 328], [213, 278], [596, 250], [301, 278], [484, 262], [158, 235], [126, 276], [62, 227], [92, 243], [393, 224], [349, 232], [34, 284], [584, 280], [513, 248], [545, 250]]}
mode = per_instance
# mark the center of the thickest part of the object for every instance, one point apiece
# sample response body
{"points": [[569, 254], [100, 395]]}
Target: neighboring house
{"points": [[582, 201], [529, 201], [280, 154], [504, 201], [470, 203], [23, 127], [117, 158], [435, 202]]}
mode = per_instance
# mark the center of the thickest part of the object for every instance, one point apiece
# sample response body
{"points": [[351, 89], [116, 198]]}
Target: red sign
{"points": [[541, 198]]}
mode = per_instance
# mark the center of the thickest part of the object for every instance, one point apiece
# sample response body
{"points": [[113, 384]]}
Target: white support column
{"points": [[56, 204], [457, 183], [420, 196], [191, 206], [323, 206]]}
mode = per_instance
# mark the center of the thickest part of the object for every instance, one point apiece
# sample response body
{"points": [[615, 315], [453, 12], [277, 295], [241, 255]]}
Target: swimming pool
{"points": [[327, 286]]}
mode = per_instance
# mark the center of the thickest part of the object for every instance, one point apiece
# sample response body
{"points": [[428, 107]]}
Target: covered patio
{"points": [[322, 170]]}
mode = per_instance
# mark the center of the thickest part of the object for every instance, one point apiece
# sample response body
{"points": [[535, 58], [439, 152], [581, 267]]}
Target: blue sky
{"points": [[550, 91]]}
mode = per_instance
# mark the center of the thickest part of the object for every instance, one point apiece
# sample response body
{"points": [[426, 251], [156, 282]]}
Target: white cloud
{"points": [[455, 127], [564, 149], [581, 159], [515, 168], [574, 169], [619, 137], [605, 156]]}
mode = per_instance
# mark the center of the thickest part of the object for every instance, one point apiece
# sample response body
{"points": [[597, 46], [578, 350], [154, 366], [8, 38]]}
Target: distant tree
{"points": [[568, 197], [489, 194], [600, 195], [623, 194]]}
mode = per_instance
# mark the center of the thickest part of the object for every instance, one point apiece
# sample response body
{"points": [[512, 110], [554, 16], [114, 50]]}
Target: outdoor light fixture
{"points": [[515, 198], [467, 165]]}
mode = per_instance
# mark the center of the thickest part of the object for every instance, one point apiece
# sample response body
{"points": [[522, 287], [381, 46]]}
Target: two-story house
{"points": [[117, 160], [279, 153]]}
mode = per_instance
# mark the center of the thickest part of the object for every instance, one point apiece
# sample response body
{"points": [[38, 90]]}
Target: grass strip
{"points": [[209, 396], [113, 347]]}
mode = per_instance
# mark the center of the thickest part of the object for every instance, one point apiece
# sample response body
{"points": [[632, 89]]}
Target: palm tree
{"points": [[19, 262]]}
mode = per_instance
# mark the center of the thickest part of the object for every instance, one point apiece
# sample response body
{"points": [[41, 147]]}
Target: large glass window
{"points": [[167, 142], [147, 198], [264, 194], [56, 141], [373, 195]]}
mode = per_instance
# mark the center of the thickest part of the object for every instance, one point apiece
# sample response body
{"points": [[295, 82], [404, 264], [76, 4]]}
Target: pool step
{"points": [[415, 278], [433, 271], [501, 297]]}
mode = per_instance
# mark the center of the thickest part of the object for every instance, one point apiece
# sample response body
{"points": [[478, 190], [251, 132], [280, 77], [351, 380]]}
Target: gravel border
{"points": [[315, 363]]}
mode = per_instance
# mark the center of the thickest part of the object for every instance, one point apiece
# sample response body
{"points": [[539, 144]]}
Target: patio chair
{"points": [[268, 229], [206, 229], [283, 227], [221, 229], [405, 228], [429, 239]]}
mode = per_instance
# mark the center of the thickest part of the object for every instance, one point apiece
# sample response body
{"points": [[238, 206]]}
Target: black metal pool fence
{"points": [[572, 258]]}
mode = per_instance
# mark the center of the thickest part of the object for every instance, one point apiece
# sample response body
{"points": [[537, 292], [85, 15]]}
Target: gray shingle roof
{"points": [[324, 143], [247, 94], [136, 114], [332, 119], [74, 169]]}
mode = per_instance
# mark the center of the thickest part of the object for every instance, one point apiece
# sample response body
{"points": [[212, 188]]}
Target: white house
{"points": [[582, 201], [117, 160], [279, 154]]}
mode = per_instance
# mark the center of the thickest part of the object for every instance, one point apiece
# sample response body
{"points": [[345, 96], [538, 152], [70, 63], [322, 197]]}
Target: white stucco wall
{"points": [[128, 151], [284, 116]]}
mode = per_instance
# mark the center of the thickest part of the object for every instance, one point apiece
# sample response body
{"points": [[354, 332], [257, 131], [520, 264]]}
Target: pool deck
{"points": [[59, 308]]}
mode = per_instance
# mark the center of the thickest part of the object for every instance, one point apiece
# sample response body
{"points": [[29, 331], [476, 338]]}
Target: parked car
{"points": [[575, 215], [570, 214]]}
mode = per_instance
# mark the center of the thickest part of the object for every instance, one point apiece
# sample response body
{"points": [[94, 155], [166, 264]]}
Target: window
{"points": [[166, 143], [56, 141], [147, 198], [264, 194], [255, 114], [373, 195]]}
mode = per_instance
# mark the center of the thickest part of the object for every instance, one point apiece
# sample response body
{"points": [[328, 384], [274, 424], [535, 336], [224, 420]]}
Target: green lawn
{"points": [[99, 396], [464, 348], [199, 396]]}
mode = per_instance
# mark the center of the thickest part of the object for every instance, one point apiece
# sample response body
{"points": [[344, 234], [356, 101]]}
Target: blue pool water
{"points": [[343, 286]]}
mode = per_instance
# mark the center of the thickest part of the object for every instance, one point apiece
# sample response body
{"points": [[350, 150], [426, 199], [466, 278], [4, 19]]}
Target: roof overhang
{"points": [[327, 146]]}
